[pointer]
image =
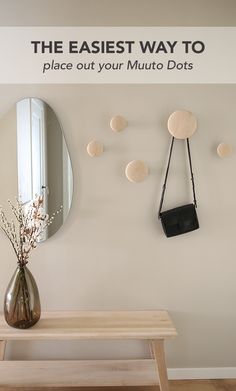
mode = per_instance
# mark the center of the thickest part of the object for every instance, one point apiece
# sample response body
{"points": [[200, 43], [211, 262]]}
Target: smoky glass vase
{"points": [[22, 303]]}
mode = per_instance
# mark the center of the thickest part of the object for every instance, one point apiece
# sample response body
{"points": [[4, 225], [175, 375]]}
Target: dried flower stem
{"points": [[30, 225]]}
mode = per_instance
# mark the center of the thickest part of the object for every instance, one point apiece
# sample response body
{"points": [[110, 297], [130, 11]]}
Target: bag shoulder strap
{"points": [[191, 173], [167, 172]]}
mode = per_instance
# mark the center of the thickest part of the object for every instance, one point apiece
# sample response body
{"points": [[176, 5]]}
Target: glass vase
{"points": [[22, 303]]}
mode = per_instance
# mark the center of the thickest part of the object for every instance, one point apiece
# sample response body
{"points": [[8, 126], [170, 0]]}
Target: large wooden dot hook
{"points": [[182, 124]]}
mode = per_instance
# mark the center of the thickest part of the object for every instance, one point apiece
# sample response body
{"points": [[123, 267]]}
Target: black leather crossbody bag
{"points": [[182, 219]]}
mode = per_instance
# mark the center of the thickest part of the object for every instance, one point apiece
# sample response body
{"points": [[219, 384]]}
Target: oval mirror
{"points": [[38, 159]]}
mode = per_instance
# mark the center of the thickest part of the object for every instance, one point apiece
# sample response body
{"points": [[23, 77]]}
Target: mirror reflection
{"points": [[43, 165]]}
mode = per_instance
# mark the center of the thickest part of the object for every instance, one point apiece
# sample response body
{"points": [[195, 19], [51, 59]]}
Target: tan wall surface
{"points": [[111, 253], [8, 156]]}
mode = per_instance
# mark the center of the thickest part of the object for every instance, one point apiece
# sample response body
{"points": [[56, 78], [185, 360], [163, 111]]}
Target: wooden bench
{"points": [[153, 326]]}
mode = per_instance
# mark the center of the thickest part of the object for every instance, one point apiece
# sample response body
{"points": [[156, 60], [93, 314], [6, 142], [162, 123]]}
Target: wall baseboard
{"points": [[202, 373]]}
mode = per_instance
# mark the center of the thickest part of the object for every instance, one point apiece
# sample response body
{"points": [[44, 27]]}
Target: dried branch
{"points": [[30, 224]]}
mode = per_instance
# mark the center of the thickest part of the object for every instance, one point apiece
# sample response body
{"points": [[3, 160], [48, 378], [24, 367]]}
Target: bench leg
{"points": [[152, 354], [2, 349], [157, 347]]}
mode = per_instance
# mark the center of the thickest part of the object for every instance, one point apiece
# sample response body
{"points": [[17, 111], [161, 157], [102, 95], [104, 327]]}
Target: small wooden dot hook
{"points": [[118, 123], [136, 171], [224, 150], [95, 148]]}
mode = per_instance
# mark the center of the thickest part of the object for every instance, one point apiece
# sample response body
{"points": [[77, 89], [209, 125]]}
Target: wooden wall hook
{"points": [[224, 150], [182, 124], [118, 123], [136, 171], [95, 148]]}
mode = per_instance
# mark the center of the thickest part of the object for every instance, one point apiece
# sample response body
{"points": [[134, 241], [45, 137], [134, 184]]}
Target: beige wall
{"points": [[111, 253], [8, 156]]}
